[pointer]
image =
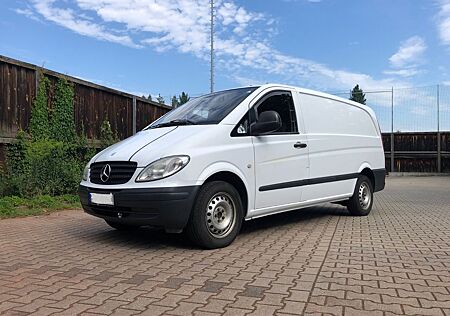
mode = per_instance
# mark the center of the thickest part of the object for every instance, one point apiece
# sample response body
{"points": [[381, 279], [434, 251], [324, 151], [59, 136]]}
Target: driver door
{"points": [[281, 157]]}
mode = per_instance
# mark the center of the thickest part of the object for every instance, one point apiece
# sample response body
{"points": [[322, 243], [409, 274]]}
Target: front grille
{"points": [[121, 172]]}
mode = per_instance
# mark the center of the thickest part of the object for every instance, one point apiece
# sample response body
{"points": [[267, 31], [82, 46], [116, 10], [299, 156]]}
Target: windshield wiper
{"points": [[177, 122]]}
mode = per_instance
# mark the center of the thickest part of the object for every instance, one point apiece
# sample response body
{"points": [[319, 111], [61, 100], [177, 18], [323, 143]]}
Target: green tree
{"points": [[358, 95], [149, 97], [160, 99], [174, 102], [62, 119], [183, 98], [39, 122]]}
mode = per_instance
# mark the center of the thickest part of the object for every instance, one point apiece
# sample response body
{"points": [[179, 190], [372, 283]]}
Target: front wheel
{"points": [[216, 217], [360, 204]]}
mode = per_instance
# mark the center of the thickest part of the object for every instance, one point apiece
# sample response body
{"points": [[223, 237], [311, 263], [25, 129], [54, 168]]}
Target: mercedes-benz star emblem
{"points": [[106, 173]]}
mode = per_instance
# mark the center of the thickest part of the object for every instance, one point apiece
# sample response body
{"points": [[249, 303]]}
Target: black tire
{"points": [[360, 204], [120, 226], [217, 215]]}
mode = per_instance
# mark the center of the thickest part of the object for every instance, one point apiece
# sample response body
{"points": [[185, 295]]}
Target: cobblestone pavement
{"points": [[314, 261]]}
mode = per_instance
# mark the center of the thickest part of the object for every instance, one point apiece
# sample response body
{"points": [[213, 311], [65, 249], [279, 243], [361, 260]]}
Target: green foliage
{"points": [[84, 152], [14, 206], [39, 123], [51, 159], [160, 99], [174, 102], [107, 137], [149, 97], [358, 95], [62, 123], [183, 98], [15, 155], [44, 167], [53, 168], [16, 167]]}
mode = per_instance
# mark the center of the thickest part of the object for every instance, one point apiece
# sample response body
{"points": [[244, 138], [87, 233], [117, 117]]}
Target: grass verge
{"points": [[14, 206]]}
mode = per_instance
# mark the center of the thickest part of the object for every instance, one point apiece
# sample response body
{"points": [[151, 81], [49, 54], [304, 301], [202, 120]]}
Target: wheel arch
{"points": [[236, 181], [366, 170]]}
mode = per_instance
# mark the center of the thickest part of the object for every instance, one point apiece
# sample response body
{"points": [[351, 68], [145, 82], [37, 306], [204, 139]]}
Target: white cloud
{"points": [[69, 19], [444, 21], [406, 72], [406, 61], [410, 52], [242, 46], [28, 13]]}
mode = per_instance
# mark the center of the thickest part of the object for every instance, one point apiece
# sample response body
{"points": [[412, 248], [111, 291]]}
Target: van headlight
{"points": [[162, 168], [86, 172]]}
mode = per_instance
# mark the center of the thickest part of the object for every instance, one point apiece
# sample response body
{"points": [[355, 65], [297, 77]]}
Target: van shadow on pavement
{"points": [[156, 238]]}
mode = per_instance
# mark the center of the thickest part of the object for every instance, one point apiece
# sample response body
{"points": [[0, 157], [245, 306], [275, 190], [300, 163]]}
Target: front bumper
{"points": [[163, 207]]}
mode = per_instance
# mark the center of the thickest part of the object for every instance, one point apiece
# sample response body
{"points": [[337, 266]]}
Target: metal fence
{"points": [[415, 123], [415, 109]]}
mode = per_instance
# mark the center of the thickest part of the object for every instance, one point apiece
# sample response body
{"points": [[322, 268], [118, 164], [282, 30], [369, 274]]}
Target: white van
{"points": [[237, 155]]}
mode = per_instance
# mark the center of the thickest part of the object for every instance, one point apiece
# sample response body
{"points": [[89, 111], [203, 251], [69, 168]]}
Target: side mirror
{"points": [[268, 121]]}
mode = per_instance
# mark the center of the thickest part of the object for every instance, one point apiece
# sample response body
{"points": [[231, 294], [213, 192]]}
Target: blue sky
{"points": [[162, 46], [156, 46]]}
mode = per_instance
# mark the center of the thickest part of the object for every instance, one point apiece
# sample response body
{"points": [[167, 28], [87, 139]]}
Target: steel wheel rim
{"points": [[364, 196], [220, 215]]}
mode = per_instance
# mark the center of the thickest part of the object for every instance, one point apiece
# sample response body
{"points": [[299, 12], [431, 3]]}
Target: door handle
{"points": [[300, 145]]}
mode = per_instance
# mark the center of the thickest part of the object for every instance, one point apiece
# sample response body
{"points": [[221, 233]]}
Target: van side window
{"points": [[282, 103]]}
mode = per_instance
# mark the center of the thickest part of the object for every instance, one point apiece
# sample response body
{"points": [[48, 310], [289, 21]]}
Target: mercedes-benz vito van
{"points": [[236, 155]]}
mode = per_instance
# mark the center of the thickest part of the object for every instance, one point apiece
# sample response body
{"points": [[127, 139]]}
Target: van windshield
{"points": [[207, 109]]}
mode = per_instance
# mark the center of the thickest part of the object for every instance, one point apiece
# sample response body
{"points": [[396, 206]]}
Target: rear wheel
{"points": [[120, 226], [360, 204], [216, 217]]}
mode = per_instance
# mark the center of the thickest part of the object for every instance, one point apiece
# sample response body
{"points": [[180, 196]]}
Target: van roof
{"points": [[317, 93], [310, 92]]}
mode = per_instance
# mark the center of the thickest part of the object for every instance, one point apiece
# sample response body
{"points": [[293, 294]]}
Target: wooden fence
{"points": [[418, 151], [92, 103]]}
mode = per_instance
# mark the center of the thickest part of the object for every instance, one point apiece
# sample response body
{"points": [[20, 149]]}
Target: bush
{"points": [[53, 168], [46, 167], [15, 171]]}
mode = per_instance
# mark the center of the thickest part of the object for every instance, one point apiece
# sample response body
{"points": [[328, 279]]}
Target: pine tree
{"points": [[149, 97], [183, 98], [174, 102], [160, 99], [358, 95]]}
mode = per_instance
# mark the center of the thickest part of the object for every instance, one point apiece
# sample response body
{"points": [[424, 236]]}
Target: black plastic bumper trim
{"points": [[164, 207], [380, 179], [299, 183], [379, 175]]}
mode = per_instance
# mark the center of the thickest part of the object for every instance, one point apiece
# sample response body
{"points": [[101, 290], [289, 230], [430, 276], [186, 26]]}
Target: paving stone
{"points": [[317, 260]]}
